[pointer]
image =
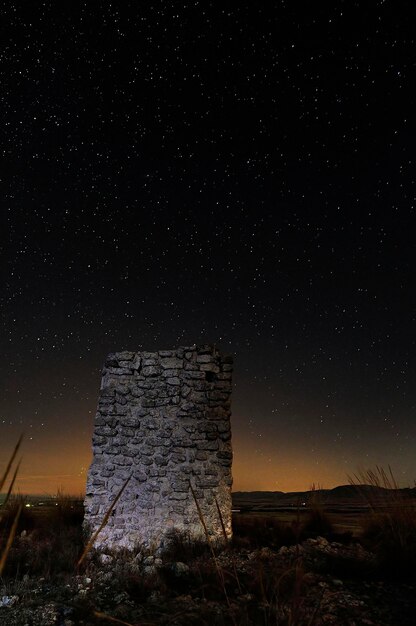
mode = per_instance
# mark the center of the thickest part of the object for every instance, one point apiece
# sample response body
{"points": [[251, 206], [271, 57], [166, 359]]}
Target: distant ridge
{"points": [[347, 494], [262, 493]]}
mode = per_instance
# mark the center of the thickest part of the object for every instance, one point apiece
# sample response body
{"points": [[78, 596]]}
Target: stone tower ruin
{"points": [[163, 419]]}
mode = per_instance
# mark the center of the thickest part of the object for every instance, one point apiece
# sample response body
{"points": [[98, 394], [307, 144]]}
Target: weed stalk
{"points": [[103, 523]]}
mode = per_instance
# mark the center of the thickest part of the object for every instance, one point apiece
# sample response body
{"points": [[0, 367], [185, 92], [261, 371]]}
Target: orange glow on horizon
{"points": [[41, 475], [60, 463], [53, 465], [287, 469]]}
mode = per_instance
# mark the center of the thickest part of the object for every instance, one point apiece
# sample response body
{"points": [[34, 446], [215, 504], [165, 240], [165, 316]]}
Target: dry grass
{"points": [[390, 529], [47, 543], [9, 465], [257, 531], [106, 517], [218, 569], [260, 590], [5, 549], [265, 592], [185, 548], [279, 592], [317, 522]]}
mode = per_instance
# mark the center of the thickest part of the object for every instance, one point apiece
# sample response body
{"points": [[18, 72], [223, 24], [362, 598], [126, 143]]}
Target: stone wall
{"points": [[163, 419]]}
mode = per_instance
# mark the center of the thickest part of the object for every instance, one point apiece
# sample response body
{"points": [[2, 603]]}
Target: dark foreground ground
{"points": [[281, 569]]}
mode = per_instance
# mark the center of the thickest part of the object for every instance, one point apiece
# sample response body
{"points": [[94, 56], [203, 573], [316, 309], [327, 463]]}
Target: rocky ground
{"points": [[314, 583]]}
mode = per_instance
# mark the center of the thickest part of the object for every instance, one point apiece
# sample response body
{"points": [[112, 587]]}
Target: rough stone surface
{"points": [[163, 422]]}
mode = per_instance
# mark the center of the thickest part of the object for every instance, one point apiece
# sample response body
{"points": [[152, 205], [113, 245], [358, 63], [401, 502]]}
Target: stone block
{"points": [[173, 381], [171, 363], [150, 370]]}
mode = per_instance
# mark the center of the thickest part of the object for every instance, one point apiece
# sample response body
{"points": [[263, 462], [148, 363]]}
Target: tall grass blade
{"points": [[10, 538], [202, 519], [10, 463], [9, 491], [390, 526], [211, 547], [224, 532], [103, 523]]}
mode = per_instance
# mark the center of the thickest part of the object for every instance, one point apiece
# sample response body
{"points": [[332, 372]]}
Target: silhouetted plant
{"points": [[5, 549], [390, 528], [317, 522]]}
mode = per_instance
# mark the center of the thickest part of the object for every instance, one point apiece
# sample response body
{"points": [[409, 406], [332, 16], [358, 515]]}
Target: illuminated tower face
{"points": [[163, 419]]}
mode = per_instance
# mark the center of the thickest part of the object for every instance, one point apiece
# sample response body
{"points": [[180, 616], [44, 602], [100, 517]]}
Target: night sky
{"points": [[239, 173]]}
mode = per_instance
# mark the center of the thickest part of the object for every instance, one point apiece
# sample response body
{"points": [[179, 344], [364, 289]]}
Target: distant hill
{"points": [[344, 495], [349, 495]]}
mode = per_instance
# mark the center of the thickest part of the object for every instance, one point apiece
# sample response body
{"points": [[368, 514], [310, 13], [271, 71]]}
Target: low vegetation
{"points": [[390, 527], [48, 541], [270, 573]]}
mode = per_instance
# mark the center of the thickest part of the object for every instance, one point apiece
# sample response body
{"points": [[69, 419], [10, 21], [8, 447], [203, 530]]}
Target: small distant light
{"points": [[28, 505]]}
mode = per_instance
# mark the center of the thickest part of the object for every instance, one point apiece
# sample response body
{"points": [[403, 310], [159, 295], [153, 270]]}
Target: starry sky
{"points": [[238, 173]]}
